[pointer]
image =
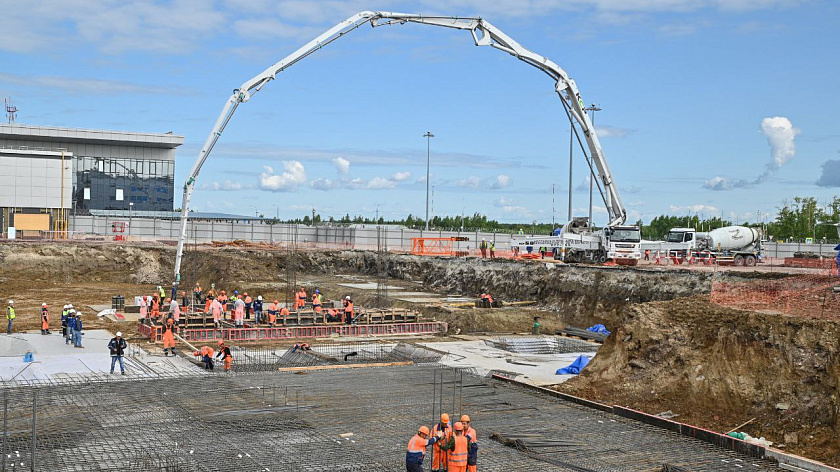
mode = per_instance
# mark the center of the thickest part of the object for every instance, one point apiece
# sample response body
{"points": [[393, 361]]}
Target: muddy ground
{"points": [[670, 349]]}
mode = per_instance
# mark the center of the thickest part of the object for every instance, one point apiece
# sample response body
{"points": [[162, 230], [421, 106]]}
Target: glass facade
{"points": [[114, 183]]}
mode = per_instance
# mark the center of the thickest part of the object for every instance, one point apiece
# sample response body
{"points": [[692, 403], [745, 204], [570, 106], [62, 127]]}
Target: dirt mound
{"points": [[719, 367]]}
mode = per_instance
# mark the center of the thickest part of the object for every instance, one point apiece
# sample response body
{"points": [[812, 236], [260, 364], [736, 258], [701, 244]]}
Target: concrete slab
{"points": [[56, 361], [369, 286], [419, 300], [410, 294], [484, 358]]}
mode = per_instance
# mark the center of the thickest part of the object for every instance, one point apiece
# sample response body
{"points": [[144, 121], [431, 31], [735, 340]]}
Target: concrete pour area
{"points": [[54, 361], [327, 420]]}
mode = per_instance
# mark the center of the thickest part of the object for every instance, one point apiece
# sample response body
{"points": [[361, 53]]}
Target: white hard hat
{"points": [[70, 305], [11, 302], [66, 306], [259, 298], [78, 313], [119, 334], [348, 297], [43, 304]]}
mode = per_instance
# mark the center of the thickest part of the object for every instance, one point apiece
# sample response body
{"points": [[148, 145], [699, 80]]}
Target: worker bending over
{"points": [[438, 451], [224, 352], [458, 448], [206, 354], [169, 329], [417, 449]]}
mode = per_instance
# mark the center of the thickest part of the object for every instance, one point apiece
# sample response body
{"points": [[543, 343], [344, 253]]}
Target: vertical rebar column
{"points": [[34, 431], [461, 393], [5, 427], [454, 384]]}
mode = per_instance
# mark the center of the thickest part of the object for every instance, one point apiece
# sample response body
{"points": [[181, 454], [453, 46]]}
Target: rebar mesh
{"points": [[288, 422], [543, 345]]}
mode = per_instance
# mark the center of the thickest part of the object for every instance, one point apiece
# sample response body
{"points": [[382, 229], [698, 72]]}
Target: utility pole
{"points": [[593, 109], [428, 137]]}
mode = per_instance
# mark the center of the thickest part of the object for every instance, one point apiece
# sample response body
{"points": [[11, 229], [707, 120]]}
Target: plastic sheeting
{"points": [[575, 367]]}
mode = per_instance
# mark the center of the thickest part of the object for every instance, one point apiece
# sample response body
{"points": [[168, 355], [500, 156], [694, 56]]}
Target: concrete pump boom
{"points": [[484, 34]]}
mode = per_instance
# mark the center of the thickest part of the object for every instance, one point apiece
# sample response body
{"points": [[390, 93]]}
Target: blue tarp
{"points": [[599, 328], [575, 367]]}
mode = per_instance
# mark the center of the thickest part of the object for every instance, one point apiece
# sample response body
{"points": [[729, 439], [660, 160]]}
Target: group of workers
{"points": [[454, 446], [71, 322], [207, 358], [484, 246]]}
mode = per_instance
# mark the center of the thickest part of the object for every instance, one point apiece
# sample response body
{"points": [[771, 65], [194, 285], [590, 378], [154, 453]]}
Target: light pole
{"points": [[428, 137], [593, 109], [377, 214], [276, 211], [130, 214]]}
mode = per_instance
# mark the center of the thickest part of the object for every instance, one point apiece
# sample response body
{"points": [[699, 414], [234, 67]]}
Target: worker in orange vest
{"points": [[45, 319], [206, 354], [472, 453], [224, 351], [416, 449], [348, 310], [439, 451], [169, 329], [248, 304], [272, 313], [458, 447], [300, 301], [223, 299], [155, 306], [316, 301]]}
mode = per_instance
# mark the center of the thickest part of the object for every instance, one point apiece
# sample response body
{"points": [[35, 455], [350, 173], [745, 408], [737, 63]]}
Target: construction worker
{"points": [[71, 321], [272, 313], [216, 311], [238, 312], [458, 449], [144, 307], [155, 305], [416, 450], [64, 311], [212, 292], [483, 248], [161, 292], [10, 315], [185, 302], [169, 329], [332, 315], [45, 319], [492, 250], [348, 310], [197, 292], [223, 299], [258, 310], [174, 310], [208, 302], [117, 346], [284, 313], [443, 430], [206, 354], [316, 301], [647, 254], [224, 351], [472, 452], [300, 301], [248, 304], [77, 331]]}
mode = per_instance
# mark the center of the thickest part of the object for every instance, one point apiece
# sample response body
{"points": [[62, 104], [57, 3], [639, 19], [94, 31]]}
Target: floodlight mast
{"points": [[484, 34]]}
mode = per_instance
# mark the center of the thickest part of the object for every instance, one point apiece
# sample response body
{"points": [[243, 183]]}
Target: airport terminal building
{"points": [[48, 173]]}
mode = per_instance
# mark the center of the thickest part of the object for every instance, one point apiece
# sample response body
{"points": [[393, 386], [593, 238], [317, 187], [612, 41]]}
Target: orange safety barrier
{"points": [[432, 246]]}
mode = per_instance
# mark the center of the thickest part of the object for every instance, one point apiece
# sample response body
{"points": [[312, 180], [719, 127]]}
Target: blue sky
{"points": [[708, 106]]}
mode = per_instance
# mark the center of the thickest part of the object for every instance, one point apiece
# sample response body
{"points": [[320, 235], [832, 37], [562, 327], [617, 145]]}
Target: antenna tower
{"points": [[11, 110]]}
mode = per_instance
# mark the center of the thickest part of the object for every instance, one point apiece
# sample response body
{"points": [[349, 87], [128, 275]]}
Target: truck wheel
{"points": [[739, 260], [749, 261], [602, 258]]}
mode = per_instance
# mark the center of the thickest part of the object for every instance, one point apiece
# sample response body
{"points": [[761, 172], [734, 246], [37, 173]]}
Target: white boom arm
{"points": [[483, 33]]}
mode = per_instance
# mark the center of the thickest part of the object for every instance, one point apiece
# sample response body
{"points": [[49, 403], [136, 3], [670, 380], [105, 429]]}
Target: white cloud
{"points": [[780, 135], [91, 86], [502, 181], [611, 132], [697, 208], [584, 185], [342, 165], [401, 176], [227, 186], [293, 175], [381, 183], [323, 184], [470, 182]]}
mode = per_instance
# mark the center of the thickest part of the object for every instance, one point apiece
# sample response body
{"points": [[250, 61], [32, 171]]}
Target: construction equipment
{"points": [[483, 34], [738, 245], [577, 241]]}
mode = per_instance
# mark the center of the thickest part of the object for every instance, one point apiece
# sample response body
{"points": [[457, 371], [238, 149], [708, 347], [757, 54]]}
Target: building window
{"points": [[119, 194], [87, 194]]}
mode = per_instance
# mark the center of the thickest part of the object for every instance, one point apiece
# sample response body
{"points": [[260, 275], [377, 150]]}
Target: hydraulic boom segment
{"points": [[484, 34]]}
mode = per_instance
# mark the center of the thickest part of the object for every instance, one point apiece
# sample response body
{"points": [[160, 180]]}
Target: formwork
{"points": [[325, 421]]}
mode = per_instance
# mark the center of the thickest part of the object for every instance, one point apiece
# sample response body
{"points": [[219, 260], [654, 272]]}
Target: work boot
{"points": [[122, 373]]}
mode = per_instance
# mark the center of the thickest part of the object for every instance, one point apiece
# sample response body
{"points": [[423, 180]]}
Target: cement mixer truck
{"points": [[735, 245]]}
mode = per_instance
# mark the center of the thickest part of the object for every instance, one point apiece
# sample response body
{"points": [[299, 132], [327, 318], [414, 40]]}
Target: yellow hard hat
{"points": [[423, 430], [465, 418], [444, 418]]}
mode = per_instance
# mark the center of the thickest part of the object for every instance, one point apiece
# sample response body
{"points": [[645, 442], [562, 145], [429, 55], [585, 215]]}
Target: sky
{"points": [[708, 107]]}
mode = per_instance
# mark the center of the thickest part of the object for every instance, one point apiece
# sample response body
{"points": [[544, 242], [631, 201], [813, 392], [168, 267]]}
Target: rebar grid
{"points": [[284, 421], [543, 345]]}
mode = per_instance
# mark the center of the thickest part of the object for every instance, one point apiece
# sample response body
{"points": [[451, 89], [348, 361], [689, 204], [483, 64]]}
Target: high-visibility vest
{"points": [[416, 450], [458, 457], [10, 313]]}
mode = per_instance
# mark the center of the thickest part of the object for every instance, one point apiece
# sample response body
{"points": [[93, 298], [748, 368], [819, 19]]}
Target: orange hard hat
{"points": [[465, 418], [276, 301], [444, 418], [221, 342], [423, 430], [195, 353], [459, 426]]}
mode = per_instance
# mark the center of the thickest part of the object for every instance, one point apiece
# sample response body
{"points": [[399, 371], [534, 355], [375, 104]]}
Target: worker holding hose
{"points": [[417, 449]]}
